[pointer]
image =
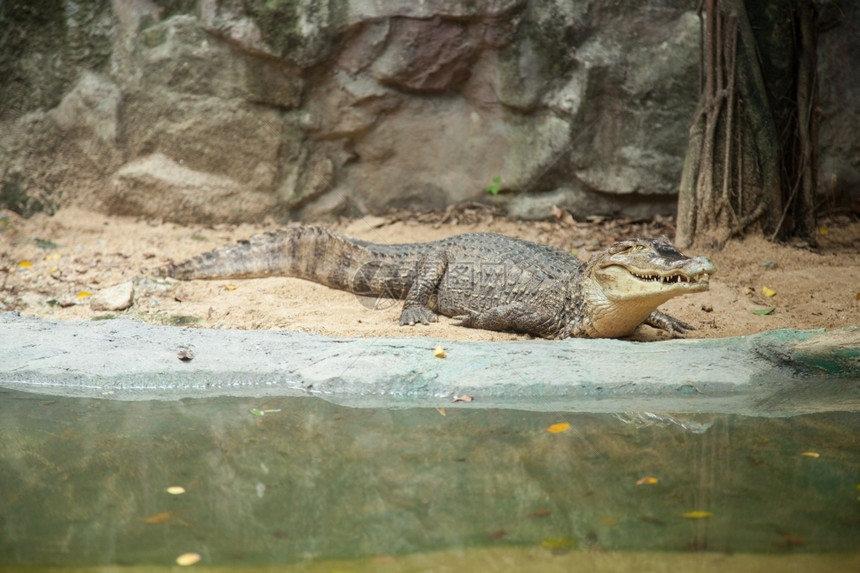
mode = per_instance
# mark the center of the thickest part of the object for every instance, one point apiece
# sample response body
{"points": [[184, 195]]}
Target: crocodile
{"points": [[481, 280]]}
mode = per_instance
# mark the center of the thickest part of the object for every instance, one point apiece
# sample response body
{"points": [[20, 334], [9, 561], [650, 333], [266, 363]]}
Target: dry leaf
{"points": [[768, 291], [539, 513], [811, 454], [648, 480], [558, 428], [185, 355], [84, 294], [608, 521], [439, 352], [157, 518], [463, 398], [441, 410], [230, 287], [25, 265], [562, 215]]}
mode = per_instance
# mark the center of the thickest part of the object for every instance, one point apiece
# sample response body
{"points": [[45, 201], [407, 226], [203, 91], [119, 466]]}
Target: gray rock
{"points": [[157, 186], [426, 55], [117, 297], [323, 108]]}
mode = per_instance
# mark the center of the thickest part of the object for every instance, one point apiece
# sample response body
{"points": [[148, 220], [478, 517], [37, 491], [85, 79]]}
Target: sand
{"points": [[49, 264]]}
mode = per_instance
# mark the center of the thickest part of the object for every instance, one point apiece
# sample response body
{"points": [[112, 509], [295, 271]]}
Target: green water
{"points": [[302, 482]]}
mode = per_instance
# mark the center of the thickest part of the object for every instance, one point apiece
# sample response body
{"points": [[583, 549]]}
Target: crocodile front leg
{"points": [[428, 273], [668, 323]]}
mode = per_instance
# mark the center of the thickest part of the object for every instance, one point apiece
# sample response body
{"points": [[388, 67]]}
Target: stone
{"points": [[426, 55], [323, 107], [117, 297], [158, 186], [93, 106]]}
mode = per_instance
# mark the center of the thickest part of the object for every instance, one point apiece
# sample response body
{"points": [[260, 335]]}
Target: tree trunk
{"points": [[752, 154]]}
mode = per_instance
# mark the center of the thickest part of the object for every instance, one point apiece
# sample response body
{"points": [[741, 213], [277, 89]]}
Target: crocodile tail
{"points": [[311, 253]]}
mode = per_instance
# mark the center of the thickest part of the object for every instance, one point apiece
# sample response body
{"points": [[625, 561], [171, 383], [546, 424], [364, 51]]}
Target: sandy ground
{"points": [[50, 264]]}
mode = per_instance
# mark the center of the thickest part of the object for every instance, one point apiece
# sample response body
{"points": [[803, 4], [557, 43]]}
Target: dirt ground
{"points": [[50, 265]]}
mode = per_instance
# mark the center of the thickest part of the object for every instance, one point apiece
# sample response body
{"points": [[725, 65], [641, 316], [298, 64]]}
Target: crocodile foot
{"points": [[416, 315]]}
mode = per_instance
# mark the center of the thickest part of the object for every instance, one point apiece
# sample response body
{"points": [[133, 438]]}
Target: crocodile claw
{"points": [[675, 327], [417, 315]]}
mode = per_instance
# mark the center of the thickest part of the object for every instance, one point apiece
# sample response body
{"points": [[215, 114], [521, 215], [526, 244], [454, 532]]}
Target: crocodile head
{"points": [[632, 278]]}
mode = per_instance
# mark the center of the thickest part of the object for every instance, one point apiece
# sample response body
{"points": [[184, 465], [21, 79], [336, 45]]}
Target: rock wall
{"points": [[233, 110]]}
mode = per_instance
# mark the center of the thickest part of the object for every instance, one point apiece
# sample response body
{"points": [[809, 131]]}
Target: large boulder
{"points": [[315, 108]]}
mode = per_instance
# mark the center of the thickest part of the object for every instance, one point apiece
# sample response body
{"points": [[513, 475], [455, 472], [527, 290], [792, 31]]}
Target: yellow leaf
{"points": [[230, 287], [25, 265], [53, 256], [697, 515], [175, 490], [84, 294], [558, 428], [822, 230], [187, 559], [768, 291], [441, 411], [439, 352], [857, 296], [647, 480], [557, 543], [811, 454]]}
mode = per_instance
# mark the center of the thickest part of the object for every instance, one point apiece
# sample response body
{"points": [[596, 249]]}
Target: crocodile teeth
{"points": [[670, 279]]}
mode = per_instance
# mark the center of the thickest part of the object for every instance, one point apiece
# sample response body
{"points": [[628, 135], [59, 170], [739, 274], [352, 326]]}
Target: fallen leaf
{"points": [[790, 538], [811, 454], [463, 398], [763, 311], [647, 480], [562, 215], [258, 412], [25, 265], [822, 230], [441, 410], [557, 544], [53, 257], [185, 355], [84, 294], [498, 534], [187, 559], [768, 291], [608, 521], [539, 513], [857, 296], [157, 518], [439, 352], [175, 490], [697, 515], [230, 287], [558, 428]]}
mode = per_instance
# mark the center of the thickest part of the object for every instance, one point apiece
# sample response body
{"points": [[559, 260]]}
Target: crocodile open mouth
{"points": [[680, 279]]}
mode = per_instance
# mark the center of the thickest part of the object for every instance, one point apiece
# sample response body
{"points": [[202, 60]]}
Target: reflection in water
{"points": [[280, 480]]}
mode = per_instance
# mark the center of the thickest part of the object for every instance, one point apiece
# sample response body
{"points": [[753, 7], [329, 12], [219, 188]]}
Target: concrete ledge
{"points": [[775, 373]]}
